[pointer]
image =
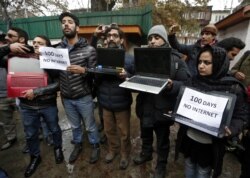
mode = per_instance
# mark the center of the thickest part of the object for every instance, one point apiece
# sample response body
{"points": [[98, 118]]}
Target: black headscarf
{"points": [[220, 68]]}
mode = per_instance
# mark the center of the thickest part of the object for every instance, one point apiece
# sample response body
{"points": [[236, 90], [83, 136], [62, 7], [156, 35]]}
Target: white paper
{"points": [[54, 58], [203, 108]]}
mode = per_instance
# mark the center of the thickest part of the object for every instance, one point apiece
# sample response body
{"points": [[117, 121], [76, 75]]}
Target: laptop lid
{"points": [[153, 62], [208, 112], [110, 57]]}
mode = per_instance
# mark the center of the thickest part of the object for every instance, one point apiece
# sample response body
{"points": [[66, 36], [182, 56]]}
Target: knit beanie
{"points": [[210, 28], [159, 30]]}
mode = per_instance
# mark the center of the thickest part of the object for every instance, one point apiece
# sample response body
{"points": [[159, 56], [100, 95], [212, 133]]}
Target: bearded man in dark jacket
{"points": [[75, 87], [150, 107]]}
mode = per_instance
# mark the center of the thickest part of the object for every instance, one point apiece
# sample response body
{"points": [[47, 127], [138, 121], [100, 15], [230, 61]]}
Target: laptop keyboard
{"points": [[147, 81]]}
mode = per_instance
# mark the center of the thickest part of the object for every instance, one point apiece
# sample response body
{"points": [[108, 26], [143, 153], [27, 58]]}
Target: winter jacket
{"points": [[110, 95], [243, 66], [191, 51], [74, 86]]}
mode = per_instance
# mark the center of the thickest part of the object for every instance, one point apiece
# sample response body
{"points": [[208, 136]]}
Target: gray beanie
{"points": [[159, 30]]}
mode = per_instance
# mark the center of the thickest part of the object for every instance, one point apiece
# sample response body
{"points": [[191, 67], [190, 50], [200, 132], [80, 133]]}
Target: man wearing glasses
{"points": [[116, 102], [16, 41]]}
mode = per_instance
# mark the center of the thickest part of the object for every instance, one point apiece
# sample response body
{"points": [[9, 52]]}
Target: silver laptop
{"points": [[109, 61], [152, 66]]}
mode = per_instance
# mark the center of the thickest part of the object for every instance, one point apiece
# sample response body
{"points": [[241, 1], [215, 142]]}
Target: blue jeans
{"points": [[193, 170], [82, 110], [32, 124]]}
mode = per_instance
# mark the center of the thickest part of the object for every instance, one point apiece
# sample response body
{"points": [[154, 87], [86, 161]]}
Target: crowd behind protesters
{"points": [[206, 68]]}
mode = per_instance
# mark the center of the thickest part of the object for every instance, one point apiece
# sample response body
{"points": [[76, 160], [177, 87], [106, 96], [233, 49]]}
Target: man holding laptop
{"points": [[150, 107], [116, 102]]}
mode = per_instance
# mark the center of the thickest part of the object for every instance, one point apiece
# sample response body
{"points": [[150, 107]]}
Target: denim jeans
{"points": [[82, 110], [193, 170], [32, 124], [7, 120]]}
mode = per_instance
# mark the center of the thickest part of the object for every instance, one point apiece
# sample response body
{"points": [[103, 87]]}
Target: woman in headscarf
{"points": [[202, 151]]}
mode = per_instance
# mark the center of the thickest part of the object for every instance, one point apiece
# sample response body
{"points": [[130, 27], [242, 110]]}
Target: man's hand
{"points": [[173, 29], [123, 74], [240, 76], [18, 48], [76, 69], [29, 94]]}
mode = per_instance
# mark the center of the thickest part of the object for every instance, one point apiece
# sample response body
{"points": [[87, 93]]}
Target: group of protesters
{"points": [[203, 66]]}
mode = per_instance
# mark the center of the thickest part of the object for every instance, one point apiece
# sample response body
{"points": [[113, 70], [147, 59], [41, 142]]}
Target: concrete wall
{"points": [[241, 31]]}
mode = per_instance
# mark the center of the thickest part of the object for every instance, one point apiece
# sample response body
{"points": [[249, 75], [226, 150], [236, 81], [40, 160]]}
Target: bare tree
{"points": [[102, 5], [27, 8]]}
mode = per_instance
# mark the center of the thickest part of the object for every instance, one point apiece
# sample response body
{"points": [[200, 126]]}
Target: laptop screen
{"points": [[153, 61], [110, 57]]}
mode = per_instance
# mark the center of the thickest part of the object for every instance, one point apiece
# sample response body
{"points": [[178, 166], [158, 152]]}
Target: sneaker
{"points": [[75, 153], [8, 144], [142, 158], [110, 157]]}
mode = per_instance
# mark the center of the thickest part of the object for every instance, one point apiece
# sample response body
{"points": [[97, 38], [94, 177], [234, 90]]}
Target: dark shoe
{"points": [[95, 155], [34, 162], [123, 163], [8, 144], [58, 155], [160, 172], [49, 140], [75, 153], [110, 157], [142, 158], [103, 139], [26, 149]]}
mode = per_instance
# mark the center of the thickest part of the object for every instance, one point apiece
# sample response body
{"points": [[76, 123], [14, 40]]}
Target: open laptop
{"points": [[186, 113], [152, 67], [109, 61], [24, 74]]}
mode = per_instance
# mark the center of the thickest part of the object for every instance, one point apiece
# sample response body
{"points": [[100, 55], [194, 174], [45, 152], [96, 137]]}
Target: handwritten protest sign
{"points": [[200, 107], [52, 58]]}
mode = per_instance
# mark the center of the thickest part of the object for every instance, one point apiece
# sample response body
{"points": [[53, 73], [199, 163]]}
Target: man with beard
{"points": [[75, 87], [208, 37], [150, 107], [116, 103]]}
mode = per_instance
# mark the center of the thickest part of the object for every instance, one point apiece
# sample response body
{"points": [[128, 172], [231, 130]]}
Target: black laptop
{"points": [[153, 69], [109, 61]]}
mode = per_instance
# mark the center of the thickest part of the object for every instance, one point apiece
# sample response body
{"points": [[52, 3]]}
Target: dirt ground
{"points": [[15, 162]]}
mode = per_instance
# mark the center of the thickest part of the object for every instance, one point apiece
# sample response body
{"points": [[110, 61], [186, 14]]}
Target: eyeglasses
{"points": [[114, 35], [205, 62], [11, 36]]}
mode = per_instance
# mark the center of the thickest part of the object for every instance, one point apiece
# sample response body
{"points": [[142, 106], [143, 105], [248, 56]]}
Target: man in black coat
{"points": [[150, 107]]}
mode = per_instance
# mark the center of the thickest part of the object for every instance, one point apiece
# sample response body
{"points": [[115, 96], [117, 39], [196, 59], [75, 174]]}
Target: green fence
{"points": [[50, 26]]}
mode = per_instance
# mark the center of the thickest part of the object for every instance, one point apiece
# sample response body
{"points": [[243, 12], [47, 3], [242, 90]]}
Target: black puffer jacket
{"points": [[110, 95], [150, 107], [4, 50], [74, 86]]}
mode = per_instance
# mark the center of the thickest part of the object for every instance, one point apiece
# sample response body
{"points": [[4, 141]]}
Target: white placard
{"points": [[200, 107], [54, 58]]}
